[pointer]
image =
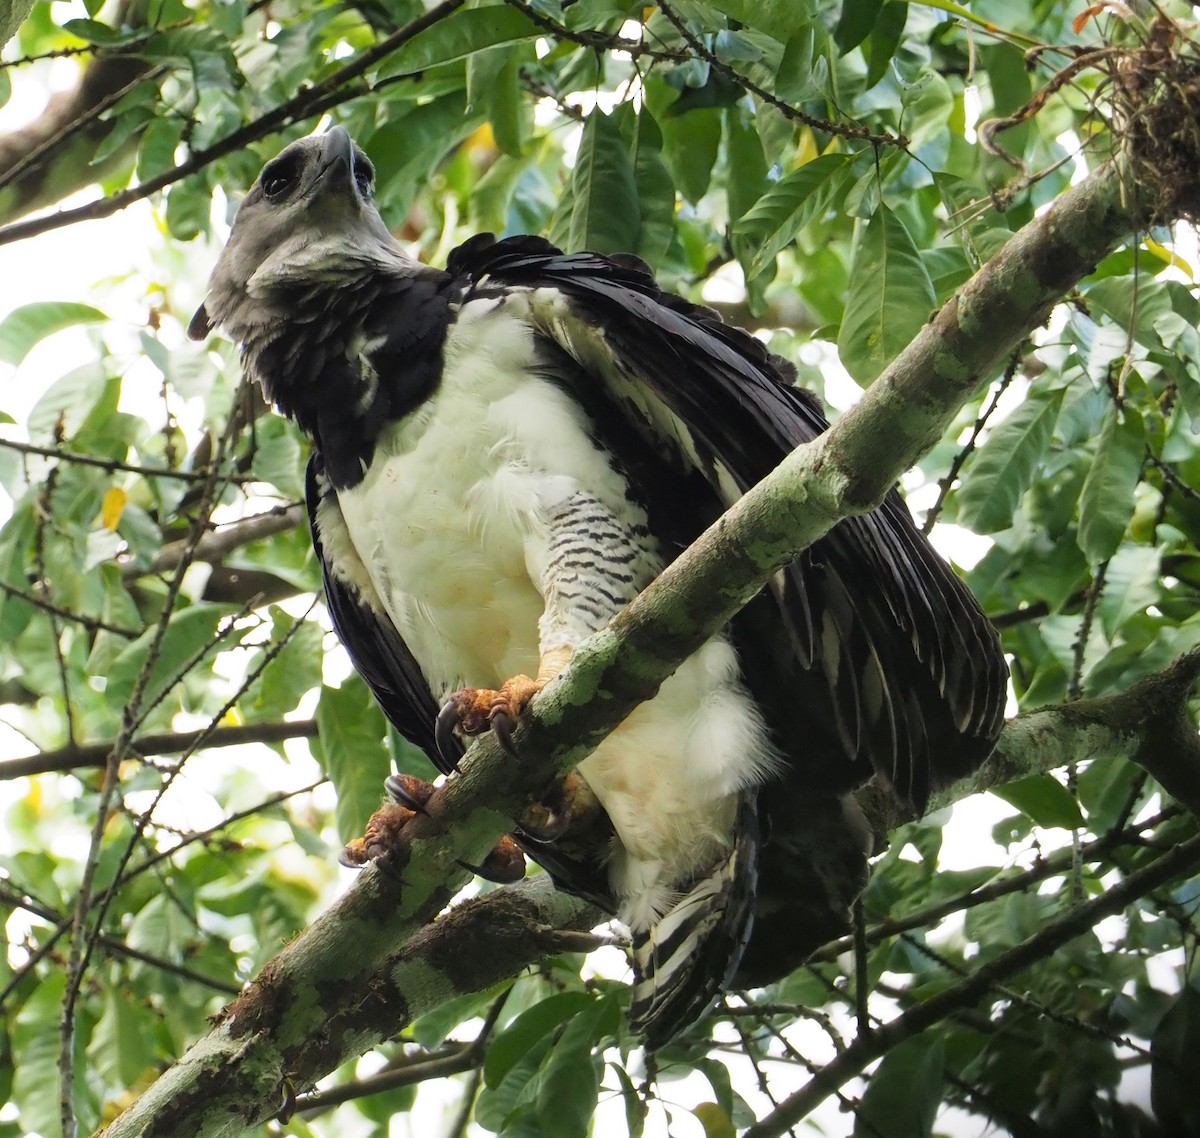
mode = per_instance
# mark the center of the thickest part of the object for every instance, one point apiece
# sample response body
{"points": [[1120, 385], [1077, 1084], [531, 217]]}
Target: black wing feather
{"points": [[868, 602], [376, 649]]}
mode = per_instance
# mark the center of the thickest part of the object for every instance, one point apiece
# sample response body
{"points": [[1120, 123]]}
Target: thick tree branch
{"points": [[847, 471], [1149, 724], [220, 543], [299, 1019]]}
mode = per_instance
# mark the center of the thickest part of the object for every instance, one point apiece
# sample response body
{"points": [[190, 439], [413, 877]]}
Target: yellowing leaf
{"points": [[482, 138], [112, 506], [716, 1123], [1170, 256]]}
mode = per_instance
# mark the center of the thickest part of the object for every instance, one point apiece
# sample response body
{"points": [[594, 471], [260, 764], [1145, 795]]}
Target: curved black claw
{"points": [[443, 732], [543, 826], [398, 792], [502, 728]]}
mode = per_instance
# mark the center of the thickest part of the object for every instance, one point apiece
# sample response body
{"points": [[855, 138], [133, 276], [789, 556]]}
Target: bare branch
{"points": [[109, 464], [221, 542], [81, 755]]}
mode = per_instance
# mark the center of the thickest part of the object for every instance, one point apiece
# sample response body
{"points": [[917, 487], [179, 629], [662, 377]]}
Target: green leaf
{"points": [[16, 547], [279, 456], [1042, 798], [460, 34], [24, 327], [928, 103], [714, 1119], [881, 44], [191, 630], [156, 151], [35, 1040], [1173, 1051], [794, 77], [496, 1105], [1131, 585], [494, 86], [603, 207], [778, 217], [122, 1046], [854, 24], [747, 181], [570, 1081], [294, 671], [410, 146], [189, 207], [780, 19], [905, 1091], [655, 190], [691, 142], [350, 748], [92, 31], [433, 1027], [519, 1037], [1106, 503], [890, 298], [1001, 471], [635, 1109]]}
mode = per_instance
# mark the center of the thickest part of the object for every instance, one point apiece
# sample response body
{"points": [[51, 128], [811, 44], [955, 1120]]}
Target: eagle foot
{"points": [[503, 865], [408, 790], [473, 711], [570, 802], [384, 836]]}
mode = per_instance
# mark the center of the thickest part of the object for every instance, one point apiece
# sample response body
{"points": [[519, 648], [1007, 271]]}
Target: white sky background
{"points": [[108, 263]]}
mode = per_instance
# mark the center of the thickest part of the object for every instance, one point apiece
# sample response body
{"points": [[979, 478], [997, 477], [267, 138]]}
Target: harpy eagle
{"points": [[504, 453]]}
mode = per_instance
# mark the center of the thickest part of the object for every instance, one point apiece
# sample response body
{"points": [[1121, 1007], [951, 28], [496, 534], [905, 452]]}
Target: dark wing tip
{"points": [[200, 324]]}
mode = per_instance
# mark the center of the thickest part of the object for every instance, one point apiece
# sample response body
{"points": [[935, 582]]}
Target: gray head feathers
{"points": [[309, 219]]}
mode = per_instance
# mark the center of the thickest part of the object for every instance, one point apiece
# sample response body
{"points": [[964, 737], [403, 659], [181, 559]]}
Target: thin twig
{"points": [[36, 955], [1050, 866], [91, 623], [596, 41], [139, 829], [1052, 936], [110, 943], [83, 937], [947, 481], [842, 130], [406, 1070], [1023, 999], [111, 465], [219, 543], [83, 755]]}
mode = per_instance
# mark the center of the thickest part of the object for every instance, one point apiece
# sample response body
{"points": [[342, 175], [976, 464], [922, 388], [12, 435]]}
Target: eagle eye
{"points": [[278, 179], [364, 175]]}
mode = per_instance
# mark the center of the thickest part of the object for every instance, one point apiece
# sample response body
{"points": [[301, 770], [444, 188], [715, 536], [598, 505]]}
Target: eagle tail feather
{"points": [[690, 954]]}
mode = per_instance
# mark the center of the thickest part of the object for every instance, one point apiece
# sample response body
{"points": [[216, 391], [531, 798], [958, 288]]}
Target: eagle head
{"points": [[307, 225]]}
